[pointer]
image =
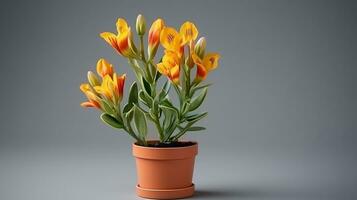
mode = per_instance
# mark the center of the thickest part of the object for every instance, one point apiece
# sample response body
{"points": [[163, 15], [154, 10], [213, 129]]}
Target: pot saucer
{"points": [[165, 193]]}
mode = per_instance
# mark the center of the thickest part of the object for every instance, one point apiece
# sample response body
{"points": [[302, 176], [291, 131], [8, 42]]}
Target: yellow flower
{"points": [[171, 40], [104, 68], [170, 66], [93, 99], [154, 37], [106, 87], [188, 32], [123, 41], [205, 65], [112, 88]]}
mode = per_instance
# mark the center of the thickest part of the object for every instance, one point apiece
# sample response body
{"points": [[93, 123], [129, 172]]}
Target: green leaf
{"points": [[164, 91], [197, 101], [127, 107], [168, 104], [106, 107], [146, 99], [128, 117], [157, 75], [197, 87], [133, 97], [195, 118], [196, 128], [133, 94], [147, 87], [140, 122], [108, 119], [170, 121]]}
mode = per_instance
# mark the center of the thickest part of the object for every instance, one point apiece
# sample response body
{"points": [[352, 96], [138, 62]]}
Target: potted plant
{"points": [[164, 166]]}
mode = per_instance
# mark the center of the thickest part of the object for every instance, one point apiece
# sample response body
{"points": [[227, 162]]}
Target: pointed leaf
{"points": [[108, 119], [197, 101], [133, 94], [147, 100], [106, 107], [195, 118], [140, 122], [147, 87], [196, 128]]}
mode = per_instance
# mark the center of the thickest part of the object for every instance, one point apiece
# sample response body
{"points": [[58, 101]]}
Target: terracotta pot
{"points": [[165, 172]]}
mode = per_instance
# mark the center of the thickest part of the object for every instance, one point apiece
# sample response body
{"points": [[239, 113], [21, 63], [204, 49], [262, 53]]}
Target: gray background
{"points": [[283, 107]]}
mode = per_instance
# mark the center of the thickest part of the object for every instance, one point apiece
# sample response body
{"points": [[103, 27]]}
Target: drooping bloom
{"points": [[104, 68], [154, 37], [170, 66], [123, 41], [93, 99], [205, 65]]}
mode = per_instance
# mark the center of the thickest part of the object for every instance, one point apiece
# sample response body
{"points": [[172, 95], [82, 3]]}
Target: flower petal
{"points": [[122, 26], [210, 61], [111, 39], [87, 104], [188, 32], [104, 68], [170, 39]]}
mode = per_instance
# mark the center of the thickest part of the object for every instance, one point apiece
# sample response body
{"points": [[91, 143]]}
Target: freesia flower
{"points": [[205, 65], [154, 37], [123, 41], [170, 66], [93, 99]]}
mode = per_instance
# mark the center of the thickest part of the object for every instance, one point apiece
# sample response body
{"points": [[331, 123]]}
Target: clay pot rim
{"points": [[165, 153], [145, 147]]}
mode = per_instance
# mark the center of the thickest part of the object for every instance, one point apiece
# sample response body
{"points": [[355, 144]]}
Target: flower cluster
{"points": [[182, 53]]}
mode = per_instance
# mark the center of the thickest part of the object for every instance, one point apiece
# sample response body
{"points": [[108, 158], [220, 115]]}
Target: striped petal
{"points": [[188, 32]]}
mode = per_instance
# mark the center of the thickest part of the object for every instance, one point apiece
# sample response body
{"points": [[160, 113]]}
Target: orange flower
{"points": [[154, 37], [123, 41], [93, 100], [205, 65]]}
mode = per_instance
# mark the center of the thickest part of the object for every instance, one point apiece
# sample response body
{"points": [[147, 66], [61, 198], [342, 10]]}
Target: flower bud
{"points": [[140, 25], [92, 79], [154, 37], [200, 47]]}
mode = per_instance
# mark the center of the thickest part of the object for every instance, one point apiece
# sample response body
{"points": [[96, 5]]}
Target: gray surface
{"points": [[283, 115]]}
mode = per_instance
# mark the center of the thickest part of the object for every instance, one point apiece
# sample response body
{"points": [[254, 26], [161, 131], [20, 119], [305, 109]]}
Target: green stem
{"points": [[143, 59]]}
